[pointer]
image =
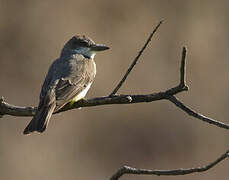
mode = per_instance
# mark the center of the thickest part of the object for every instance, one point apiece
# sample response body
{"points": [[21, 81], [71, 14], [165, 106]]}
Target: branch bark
{"points": [[113, 98], [173, 172], [9, 109], [135, 60]]}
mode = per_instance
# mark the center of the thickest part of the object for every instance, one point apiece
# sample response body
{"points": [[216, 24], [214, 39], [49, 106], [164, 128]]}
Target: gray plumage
{"points": [[68, 77]]}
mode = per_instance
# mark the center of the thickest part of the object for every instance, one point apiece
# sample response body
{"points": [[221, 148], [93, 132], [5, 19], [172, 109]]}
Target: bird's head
{"points": [[84, 46]]}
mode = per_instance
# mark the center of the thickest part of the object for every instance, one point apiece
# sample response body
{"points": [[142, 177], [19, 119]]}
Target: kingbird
{"points": [[68, 80]]}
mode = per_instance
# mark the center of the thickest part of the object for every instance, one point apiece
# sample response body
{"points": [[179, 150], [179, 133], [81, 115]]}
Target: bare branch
{"points": [[8, 109], [135, 60], [174, 172], [113, 98], [197, 115], [183, 68], [185, 108]]}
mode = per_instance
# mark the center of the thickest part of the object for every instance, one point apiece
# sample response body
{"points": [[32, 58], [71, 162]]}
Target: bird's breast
{"points": [[91, 67]]}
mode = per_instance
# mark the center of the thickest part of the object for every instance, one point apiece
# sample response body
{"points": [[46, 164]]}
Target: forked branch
{"points": [[9, 109], [113, 98]]}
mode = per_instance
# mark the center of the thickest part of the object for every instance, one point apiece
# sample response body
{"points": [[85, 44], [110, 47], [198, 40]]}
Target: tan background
{"points": [[92, 143]]}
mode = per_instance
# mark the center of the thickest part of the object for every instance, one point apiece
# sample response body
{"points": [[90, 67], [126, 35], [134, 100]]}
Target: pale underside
{"points": [[82, 94]]}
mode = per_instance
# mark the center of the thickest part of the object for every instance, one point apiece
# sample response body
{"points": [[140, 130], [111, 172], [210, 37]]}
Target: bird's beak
{"points": [[99, 47]]}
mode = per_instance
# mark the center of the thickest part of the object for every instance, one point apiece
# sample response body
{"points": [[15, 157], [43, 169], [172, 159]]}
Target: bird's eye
{"points": [[81, 43]]}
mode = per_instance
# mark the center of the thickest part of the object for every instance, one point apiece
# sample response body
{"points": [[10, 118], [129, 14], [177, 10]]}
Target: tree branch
{"points": [[9, 109], [183, 67], [135, 60], [174, 172], [6, 108], [113, 98], [197, 115]]}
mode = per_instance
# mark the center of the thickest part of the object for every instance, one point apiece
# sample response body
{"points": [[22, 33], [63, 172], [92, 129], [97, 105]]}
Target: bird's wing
{"points": [[66, 90], [49, 82], [70, 86]]}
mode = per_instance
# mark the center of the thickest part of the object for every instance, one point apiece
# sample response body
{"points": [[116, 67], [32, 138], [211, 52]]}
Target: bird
{"points": [[68, 80]]}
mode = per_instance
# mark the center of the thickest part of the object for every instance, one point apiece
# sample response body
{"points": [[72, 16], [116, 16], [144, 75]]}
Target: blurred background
{"points": [[92, 143]]}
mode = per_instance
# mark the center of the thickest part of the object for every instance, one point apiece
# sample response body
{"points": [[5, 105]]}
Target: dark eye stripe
{"points": [[88, 57], [83, 43]]}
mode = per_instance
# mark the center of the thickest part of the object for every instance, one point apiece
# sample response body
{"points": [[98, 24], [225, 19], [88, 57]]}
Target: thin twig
{"points": [[113, 98], [8, 109], [183, 67], [174, 172], [197, 115], [182, 84], [135, 60]]}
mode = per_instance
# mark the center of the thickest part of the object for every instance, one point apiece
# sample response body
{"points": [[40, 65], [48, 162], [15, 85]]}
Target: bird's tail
{"points": [[40, 120]]}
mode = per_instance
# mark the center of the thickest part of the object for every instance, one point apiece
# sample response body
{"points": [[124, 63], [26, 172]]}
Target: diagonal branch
{"points": [[197, 115], [174, 172], [135, 60], [113, 98], [9, 109]]}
